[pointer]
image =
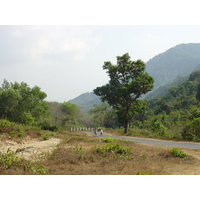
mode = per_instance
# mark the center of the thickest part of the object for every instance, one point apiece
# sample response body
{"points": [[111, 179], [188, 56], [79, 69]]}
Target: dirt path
{"points": [[31, 149]]}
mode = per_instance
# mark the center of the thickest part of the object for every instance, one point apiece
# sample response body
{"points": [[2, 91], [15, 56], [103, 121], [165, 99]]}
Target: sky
{"points": [[65, 57]]}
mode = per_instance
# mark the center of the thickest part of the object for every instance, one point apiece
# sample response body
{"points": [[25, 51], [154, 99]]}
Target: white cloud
{"points": [[44, 43]]}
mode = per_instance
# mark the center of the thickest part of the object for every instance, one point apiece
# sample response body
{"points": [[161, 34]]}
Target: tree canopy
{"points": [[128, 81], [20, 103]]}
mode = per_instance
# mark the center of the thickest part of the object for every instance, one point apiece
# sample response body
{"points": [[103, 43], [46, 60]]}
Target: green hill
{"points": [[179, 60], [182, 96], [86, 101]]}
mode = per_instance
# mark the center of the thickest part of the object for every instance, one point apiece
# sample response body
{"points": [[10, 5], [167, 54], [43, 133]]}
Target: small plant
{"points": [[176, 152], [108, 140], [113, 149], [143, 173], [47, 136]]}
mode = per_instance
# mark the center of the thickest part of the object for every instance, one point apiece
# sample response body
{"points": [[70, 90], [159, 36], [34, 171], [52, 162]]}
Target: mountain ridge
{"points": [[178, 61]]}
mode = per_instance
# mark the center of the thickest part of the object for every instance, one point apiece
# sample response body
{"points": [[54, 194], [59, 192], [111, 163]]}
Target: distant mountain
{"points": [[86, 101], [169, 68], [179, 60]]}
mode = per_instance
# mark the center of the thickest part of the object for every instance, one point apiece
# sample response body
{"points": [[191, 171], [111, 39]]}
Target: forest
{"points": [[174, 115]]}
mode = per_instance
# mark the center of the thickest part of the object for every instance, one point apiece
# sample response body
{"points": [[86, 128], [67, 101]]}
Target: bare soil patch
{"points": [[28, 148]]}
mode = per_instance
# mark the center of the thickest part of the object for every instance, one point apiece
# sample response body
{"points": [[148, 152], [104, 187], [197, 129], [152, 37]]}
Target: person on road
{"points": [[101, 131], [95, 131]]}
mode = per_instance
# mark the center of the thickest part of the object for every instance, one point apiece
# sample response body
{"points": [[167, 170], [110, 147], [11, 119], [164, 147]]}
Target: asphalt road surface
{"points": [[188, 145]]}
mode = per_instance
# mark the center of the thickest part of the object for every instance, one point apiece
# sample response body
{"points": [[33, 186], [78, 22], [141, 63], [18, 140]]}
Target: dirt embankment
{"points": [[30, 149]]}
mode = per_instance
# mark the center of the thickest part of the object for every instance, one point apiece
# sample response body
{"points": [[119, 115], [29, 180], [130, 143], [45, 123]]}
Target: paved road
{"points": [[188, 145]]}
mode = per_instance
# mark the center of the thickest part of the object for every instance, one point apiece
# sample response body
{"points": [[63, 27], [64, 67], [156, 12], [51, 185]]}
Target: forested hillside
{"points": [[179, 60], [86, 101]]}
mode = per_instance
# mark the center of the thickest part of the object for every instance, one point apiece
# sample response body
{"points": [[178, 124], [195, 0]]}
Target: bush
{"points": [[11, 128], [159, 129], [47, 126], [108, 140], [192, 130], [177, 153], [113, 149]]}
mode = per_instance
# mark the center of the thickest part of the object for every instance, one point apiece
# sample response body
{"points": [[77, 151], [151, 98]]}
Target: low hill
{"points": [[86, 101]]}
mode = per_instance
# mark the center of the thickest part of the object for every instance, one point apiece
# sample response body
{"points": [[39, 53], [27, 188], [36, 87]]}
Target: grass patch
{"points": [[9, 163]]}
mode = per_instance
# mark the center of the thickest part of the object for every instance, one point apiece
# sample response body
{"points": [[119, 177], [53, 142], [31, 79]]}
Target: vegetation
{"points": [[113, 150], [178, 153], [175, 115], [128, 81], [22, 104], [80, 154], [10, 164], [181, 60]]}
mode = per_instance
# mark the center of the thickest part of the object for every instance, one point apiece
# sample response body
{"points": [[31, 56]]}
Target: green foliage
{"points": [[11, 128], [70, 109], [103, 115], [108, 140], [176, 152], [9, 160], [128, 81], [143, 173], [158, 128], [22, 104], [45, 125], [47, 136], [192, 130], [114, 150]]}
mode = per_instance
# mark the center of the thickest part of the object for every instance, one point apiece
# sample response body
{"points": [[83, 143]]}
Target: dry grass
{"points": [[76, 155]]}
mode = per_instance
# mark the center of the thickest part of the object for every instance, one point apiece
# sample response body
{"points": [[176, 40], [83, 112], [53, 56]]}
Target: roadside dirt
{"points": [[35, 150], [30, 149]]}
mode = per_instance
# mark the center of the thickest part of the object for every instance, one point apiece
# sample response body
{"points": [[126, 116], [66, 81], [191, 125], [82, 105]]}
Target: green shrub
{"points": [[192, 130], [158, 128], [176, 152], [47, 136], [143, 173], [113, 149], [108, 140]]}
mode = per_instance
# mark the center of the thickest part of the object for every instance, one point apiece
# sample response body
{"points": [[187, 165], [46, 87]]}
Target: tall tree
{"points": [[70, 110], [128, 81], [20, 103]]}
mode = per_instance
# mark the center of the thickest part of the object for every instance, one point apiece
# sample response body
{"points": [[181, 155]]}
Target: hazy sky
{"points": [[66, 61]]}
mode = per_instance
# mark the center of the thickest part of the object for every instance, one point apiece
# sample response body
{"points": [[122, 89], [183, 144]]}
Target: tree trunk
{"points": [[126, 127]]}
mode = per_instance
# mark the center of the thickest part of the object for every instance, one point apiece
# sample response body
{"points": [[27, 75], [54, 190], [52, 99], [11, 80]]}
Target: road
{"points": [[188, 145]]}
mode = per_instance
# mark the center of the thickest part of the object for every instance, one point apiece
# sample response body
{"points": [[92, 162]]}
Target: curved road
{"points": [[188, 145]]}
